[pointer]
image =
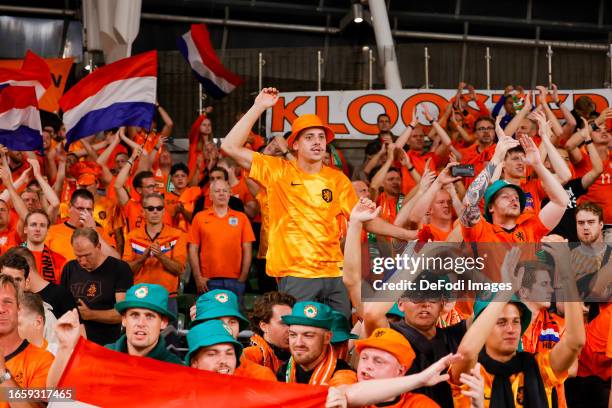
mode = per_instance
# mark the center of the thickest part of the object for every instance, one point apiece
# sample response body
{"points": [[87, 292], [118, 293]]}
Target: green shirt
{"points": [[159, 352]]}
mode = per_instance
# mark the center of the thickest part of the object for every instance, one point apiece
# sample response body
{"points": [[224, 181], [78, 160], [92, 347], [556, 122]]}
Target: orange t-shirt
{"points": [[8, 239], [601, 191], [134, 215], [303, 208], [389, 207], [173, 245], [517, 382], [255, 141], [418, 161], [261, 198], [595, 357], [249, 369], [220, 240], [188, 197], [544, 332], [430, 232], [529, 230], [29, 366], [409, 400], [534, 194]]}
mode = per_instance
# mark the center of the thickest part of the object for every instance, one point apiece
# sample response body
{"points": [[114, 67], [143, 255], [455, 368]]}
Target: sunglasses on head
{"points": [[152, 208]]}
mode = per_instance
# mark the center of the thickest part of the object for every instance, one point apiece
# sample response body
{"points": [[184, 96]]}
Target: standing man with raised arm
{"points": [[304, 198]]}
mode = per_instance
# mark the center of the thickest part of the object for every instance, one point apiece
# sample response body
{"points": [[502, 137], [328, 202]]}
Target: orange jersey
{"points": [[418, 160], [49, 264], [134, 215], [261, 198], [220, 241], [409, 400], [255, 142], [249, 369], [544, 332], [188, 198], [595, 358], [173, 244], [8, 239], [390, 206], [429, 232], [517, 381], [107, 214], [601, 191], [534, 194], [529, 230], [302, 212], [29, 366]]}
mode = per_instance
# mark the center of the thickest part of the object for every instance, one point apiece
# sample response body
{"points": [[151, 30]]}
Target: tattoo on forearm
{"points": [[470, 216], [471, 213]]}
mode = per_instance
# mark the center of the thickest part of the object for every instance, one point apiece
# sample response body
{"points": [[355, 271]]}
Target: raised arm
{"points": [[403, 138], [119, 186], [551, 213], [47, 190], [424, 201], [17, 201], [554, 122], [106, 154], [233, 143], [514, 124], [562, 171], [168, 123], [570, 121], [380, 175], [596, 163], [403, 216]]}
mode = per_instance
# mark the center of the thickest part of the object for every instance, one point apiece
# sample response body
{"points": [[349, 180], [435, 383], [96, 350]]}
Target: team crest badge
{"points": [[92, 290], [310, 311], [233, 221], [378, 333], [102, 215], [141, 292], [327, 195], [222, 297]]}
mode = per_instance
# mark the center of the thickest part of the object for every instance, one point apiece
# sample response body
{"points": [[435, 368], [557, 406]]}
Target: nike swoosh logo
{"points": [[295, 184]]}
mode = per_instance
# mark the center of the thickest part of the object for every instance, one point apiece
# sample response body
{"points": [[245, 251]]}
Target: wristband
{"points": [[588, 142], [130, 163], [410, 169], [410, 126]]}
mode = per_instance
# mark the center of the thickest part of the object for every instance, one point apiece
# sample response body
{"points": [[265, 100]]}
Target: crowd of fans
{"points": [[104, 240]]}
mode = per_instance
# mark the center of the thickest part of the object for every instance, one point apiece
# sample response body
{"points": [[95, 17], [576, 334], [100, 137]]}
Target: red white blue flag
{"points": [[197, 49], [119, 94], [20, 127], [34, 72]]}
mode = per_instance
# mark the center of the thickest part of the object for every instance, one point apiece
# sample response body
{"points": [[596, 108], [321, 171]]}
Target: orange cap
{"points": [[390, 341], [308, 121], [86, 179]]}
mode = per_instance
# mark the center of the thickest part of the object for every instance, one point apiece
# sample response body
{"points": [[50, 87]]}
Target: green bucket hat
{"points": [[216, 304], [494, 188], [341, 329], [146, 296], [480, 305], [313, 314], [209, 333], [395, 311]]}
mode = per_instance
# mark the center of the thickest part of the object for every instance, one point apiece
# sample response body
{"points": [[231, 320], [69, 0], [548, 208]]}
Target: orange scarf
{"points": [[453, 317], [322, 374], [268, 358]]}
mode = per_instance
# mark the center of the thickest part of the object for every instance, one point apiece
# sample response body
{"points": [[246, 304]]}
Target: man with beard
{"points": [[270, 341], [48, 262], [313, 359]]}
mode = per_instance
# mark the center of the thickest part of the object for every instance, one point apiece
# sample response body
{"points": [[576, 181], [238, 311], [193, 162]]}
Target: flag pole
{"points": [[199, 99]]}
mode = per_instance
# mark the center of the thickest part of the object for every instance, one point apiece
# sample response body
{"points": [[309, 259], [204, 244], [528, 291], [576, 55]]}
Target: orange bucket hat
{"points": [[307, 121], [390, 341]]}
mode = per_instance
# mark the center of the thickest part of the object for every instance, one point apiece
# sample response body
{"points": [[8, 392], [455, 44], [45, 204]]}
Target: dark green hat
{"points": [[146, 296], [216, 304], [480, 305], [210, 333], [313, 314], [395, 311], [494, 188], [341, 329]]}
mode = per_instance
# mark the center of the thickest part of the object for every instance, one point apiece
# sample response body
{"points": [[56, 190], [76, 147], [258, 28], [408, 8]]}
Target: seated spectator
{"points": [[213, 348]]}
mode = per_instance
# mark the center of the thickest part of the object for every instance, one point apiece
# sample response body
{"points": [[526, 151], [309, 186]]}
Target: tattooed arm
{"points": [[471, 213]]}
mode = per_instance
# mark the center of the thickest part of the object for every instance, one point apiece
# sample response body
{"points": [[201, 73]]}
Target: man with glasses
{"points": [[220, 244], [80, 214], [156, 252], [481, 151]]}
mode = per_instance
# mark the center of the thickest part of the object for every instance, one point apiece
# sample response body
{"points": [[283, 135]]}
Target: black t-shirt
{"points": [[428, 351], [60, 299], [567, 226], [302, 376], [97, 290]]}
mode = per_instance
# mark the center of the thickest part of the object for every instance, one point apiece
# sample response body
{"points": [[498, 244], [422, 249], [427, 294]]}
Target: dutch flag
{"points": [[20, 127], [34, 72], [119, 94], [197, 49]]}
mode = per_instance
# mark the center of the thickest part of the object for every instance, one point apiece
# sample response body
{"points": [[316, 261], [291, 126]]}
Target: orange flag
{"points": [[105, 378]]}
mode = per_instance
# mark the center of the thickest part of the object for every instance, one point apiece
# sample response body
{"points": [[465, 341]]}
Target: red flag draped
{"points": [[108, 378]]}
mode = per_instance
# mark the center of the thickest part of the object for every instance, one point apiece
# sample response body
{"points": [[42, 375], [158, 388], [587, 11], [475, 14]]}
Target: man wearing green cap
{"points": [[212, 347], [504, 202], [220, 304], [313, 359], [341, 334], [144, 314], [512, 377]]}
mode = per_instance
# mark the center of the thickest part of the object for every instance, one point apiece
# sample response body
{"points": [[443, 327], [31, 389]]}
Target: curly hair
{"points": [[263, 308]]}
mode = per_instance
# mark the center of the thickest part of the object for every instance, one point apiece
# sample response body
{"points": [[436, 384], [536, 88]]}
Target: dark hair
{"points": [[140, 176], [516, 149], [81, 193], [485, 119], [375, 170], [15, 261], [382, 115], [222, 170], [592, 208], [6, 280], [86, 232], [373, 147], [37, 211], [34, 303], [529, 276], [179, 167], [262, 308], [26, 254]]}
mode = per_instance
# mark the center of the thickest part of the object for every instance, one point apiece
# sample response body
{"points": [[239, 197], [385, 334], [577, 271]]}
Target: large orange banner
{"points": [[60, 69]]}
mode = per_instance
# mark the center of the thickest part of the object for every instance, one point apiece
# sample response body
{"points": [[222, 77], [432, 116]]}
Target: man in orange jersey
{"points": [[181, 199], [305, 197], [223, 305], [220, 244], [270, 341], [384, 356], [313, 359], [156, 252], [80, 215], [22, 365]]}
